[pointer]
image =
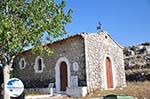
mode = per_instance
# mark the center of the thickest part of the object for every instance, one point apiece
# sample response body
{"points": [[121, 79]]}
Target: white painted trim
{"points": [[20, 63], [113, 72], [57, 72], [36, 65]]}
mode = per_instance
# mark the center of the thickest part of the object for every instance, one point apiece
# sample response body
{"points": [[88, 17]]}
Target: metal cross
{"points": [[99, 26]]}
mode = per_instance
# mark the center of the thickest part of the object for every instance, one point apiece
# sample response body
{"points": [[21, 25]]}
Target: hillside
{"points": [[137, 62]]}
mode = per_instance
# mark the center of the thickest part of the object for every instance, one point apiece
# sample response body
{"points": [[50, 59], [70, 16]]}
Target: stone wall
{"points": [[97, 48], [72, 48]]}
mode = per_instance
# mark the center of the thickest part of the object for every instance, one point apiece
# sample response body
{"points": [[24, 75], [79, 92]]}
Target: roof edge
{"points": [[122, 47]]}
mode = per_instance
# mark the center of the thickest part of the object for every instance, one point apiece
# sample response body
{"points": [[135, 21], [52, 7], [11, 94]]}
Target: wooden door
{"points": [[63, 76], [109, 73]]}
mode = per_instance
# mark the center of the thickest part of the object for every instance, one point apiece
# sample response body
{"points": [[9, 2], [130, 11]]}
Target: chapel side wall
{"points": [[72, 49], [98, 47]]}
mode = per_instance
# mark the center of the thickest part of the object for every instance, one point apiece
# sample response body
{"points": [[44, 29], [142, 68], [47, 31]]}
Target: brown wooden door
{"points": [[63, 76], [109, 73]]}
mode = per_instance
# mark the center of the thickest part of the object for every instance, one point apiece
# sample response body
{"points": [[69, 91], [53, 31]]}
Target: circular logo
{"points": [[14, 87]]}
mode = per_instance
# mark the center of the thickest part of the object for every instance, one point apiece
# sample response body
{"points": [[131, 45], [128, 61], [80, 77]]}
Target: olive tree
{"points": [[23, 23]]}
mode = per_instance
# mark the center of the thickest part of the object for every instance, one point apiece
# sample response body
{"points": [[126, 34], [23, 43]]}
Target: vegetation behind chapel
{"points": [[137, 62]]}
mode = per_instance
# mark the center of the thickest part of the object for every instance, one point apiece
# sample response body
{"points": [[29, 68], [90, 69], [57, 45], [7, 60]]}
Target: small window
{"points": [[39, 65], [22, 63]]}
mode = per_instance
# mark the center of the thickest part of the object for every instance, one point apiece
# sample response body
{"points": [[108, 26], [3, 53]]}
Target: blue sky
{"points": [[127, 21]]}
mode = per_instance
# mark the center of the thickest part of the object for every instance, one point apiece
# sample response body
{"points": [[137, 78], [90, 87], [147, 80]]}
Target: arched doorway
{"points": [[62, 63], [63, 76], [109, 76]]}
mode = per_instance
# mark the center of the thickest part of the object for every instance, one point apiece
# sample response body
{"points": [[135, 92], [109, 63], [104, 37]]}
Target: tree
{"points": [[23, 23]]}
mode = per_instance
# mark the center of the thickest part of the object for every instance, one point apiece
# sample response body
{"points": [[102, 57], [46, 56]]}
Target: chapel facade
{"points": [[80, 64]]}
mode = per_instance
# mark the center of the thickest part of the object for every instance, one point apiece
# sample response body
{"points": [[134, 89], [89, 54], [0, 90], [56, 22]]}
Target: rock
{"points": [[137, 61]]}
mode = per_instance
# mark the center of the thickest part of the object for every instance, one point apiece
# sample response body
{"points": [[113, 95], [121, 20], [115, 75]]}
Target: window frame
{"points": [[36, 66], [20, 63]]}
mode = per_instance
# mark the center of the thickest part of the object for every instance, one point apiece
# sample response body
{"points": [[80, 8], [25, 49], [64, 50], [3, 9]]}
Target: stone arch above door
{"points": [[57, 72]]}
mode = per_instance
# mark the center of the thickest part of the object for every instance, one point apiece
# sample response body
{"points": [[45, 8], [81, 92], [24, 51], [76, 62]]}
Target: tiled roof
{"points": [[82, 34]]}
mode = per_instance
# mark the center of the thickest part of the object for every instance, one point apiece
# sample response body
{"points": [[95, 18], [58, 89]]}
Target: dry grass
{"points": [[141, 90]]}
